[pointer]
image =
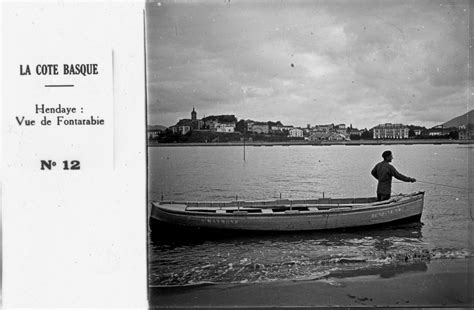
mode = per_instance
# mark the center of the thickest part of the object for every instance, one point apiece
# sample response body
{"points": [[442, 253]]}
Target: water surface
{"points": [[220, 173]]}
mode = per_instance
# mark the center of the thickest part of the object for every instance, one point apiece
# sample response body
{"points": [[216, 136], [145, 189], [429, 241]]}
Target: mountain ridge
{"points": [[462, 120], [156, 127]]}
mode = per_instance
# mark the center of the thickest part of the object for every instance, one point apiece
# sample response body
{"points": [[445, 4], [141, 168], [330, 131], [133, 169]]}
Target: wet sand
{"points": [[442, 283]]}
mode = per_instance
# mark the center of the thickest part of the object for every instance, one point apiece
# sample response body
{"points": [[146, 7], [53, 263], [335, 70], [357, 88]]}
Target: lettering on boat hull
{"points": [[386, 213], [219, 221]]}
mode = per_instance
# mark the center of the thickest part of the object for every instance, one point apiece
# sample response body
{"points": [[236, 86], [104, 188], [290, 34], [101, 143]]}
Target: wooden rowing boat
{"points": [[289, 215]]}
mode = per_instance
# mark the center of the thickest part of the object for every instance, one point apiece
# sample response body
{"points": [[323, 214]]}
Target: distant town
{"points": [[226, 128]]}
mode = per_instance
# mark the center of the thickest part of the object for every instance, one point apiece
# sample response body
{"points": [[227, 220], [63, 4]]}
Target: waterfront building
{"points": [[211, 124], [249, 125], [351, 131], [324, 128], [336, 136], [436, 133], [355, 132], [182, 127], [439, 131], [259, 127], [466, 132], [220, 123], [156, 131], [317, 136], [153, 134], [330, 136], [185, 125], [391, 131], [295, 133], [286, 128], [225, 127], [275, 127], [341, 128], [306, 132]]}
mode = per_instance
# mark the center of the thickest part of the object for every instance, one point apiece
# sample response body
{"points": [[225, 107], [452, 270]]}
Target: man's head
{"points": [[387, 156]]}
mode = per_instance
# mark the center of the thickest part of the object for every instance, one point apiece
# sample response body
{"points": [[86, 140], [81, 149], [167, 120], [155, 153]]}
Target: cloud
{"points": [[360, 62]]}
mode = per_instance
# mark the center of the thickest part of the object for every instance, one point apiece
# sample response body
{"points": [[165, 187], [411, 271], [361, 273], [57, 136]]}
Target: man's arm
{"points": [[400, 176], [374, 173]]}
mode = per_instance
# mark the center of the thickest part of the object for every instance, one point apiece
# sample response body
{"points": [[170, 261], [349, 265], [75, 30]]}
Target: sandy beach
{"points": [[438, 283]]}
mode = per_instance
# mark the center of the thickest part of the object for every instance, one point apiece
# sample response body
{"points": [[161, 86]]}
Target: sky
{"points": [[360, 62]]}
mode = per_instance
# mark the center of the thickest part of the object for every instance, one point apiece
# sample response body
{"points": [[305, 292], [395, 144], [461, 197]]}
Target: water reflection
{"points": [[384, 271], [170, 236]]}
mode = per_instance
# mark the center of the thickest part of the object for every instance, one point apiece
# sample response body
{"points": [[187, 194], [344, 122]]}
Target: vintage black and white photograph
{"points": [[309, 153]]}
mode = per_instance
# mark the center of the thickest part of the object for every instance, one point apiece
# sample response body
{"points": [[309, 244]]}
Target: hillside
{"points": [[464, 119], [156, 127]]}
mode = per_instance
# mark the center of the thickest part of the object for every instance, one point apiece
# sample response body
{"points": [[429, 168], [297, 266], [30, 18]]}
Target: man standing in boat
{"points": [[384, 172]]}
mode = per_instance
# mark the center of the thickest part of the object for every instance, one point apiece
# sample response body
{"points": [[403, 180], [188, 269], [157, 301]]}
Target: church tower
{"points": [[193, 115]]}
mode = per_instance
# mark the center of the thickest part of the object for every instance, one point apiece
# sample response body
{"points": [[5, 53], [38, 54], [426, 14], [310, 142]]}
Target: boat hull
{"points": [[406, 209]]}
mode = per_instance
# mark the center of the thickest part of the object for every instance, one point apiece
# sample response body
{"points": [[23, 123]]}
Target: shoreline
{"points": [[444, 283], [322, 143]]}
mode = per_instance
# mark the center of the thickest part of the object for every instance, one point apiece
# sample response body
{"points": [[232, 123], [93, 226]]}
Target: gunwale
{"points": [[331, 208]]}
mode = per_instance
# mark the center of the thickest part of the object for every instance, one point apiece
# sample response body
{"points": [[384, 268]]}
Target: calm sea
{"points": [[220, 173]]}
